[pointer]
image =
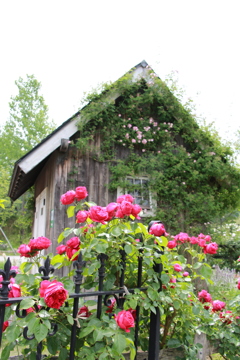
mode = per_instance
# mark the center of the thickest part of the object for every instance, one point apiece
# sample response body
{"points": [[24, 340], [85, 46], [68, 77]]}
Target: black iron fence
{"points": [[101, 295]]}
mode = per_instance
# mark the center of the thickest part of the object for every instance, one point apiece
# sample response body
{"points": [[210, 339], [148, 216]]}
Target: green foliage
{"points": [[27, 125], [172, 292], [191, 174]]}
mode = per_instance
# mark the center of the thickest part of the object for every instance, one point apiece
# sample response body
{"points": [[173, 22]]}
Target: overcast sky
{"points": [[72, 46]]}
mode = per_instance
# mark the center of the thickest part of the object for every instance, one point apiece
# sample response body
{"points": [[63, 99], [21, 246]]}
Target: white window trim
{"points": [[152, 201]]}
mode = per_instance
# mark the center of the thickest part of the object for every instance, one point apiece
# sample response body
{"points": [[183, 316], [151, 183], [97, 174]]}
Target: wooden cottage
{"points": [[97, 154]]}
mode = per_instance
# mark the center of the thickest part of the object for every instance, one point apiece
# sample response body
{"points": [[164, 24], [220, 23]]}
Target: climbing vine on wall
{"points": [[191, 174]]}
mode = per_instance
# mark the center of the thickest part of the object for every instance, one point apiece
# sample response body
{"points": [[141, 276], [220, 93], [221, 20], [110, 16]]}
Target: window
{"points": [[139, 189]]}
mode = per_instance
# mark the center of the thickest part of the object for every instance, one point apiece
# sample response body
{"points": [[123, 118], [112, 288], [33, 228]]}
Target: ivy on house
{"points": [[140, 128]]}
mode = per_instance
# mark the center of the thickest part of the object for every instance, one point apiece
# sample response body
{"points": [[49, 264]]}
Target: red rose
{"points": [[238, 285], [84, 312], [39, 243], [82, 216], [5, 325], [81, 193], [70, 252], [73, 243], [157, 229], [98, 214], [125, 320], [68, 198], [25, 250], [61, 249], [133, 312], [55, 295], [43, 286]]}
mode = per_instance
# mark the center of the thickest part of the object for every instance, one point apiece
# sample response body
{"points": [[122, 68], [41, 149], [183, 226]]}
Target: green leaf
{"points": [[173, 343], [176, 304], [67, 232], [70, 319], [98, 334], [32, 324], [40, 332], [52, 345], [89, 203], [63, 355], [116, 231], [26, 303], [84, 332], [206, 271], [60, 238], [120, 343], [128, 248], [6, 352], [197, 265], [70, 211]]}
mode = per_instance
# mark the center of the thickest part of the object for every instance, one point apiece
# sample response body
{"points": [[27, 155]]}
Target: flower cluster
{"points": [[34, 246], [70, 196], [123, 207], [214, 305], [204, 241]]}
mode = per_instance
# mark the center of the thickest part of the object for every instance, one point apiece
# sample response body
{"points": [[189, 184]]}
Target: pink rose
{"points": [[39, 243], [204, 296], [194, 240], [177, 267], [157, 229], [98, 214], [238, 285], [68, 198], [126, 207], [125, 320], [119, 214], [126, 197], [202, 242], [43, 286], [73, 243], [5, 325], [211, 248], [185, 274], [84, 312], [55, 295], [26, 251], [218, 305], [171, 244], [15, 291], [81, 193], [111, 209], [61, 249], [136, 209], [182, 237], [82, 216]]}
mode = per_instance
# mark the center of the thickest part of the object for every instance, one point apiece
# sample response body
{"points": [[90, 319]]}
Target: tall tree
{"points": [[28, 123]]}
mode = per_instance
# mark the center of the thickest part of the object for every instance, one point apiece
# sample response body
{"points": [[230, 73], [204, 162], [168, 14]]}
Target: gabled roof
{"points": [[28, 167]]}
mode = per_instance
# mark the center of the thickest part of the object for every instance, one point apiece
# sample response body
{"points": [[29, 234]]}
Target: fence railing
{"points": [[101, 295]]}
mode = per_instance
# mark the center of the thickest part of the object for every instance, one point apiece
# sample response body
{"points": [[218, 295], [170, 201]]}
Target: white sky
{"points": [[71, 46]]}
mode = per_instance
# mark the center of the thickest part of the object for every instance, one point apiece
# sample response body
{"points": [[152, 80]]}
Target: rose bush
{"points": [[113, 230]]}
